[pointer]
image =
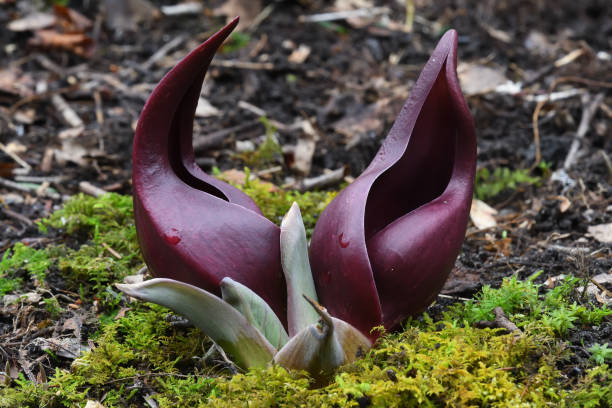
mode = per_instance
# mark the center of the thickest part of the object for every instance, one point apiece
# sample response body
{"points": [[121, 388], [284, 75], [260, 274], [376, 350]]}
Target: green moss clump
{"points": [[84, 214], [21, 257], [274, 202], [236, 41], [430, 363], [107, 248], [140, 346], [431, 366], [555, 312], [267, 153], [489, 184]]}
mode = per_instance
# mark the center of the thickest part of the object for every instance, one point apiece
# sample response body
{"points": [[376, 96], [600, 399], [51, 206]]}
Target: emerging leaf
{"points": [[296, 267], [255, 310], [215, 317], [322, 347]]}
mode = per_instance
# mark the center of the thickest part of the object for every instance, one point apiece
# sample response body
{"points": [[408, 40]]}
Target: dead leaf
{"points": [[71, 151], [122, 16], [248, 10], [366, 119], [132, 279], [14, 82], [300, 54], [234, 176], [206, 109], [601, 232], [478, 79], [78, 43], [6, 169], [121, 313], [304, 151], [603, 279], [181, 9], [71, 133], [71, 20], [64, 347], [564, 203], [245, 146], [32, 22], [74, 325], [482, 215], [371, 15], [352, 4], [15, 147], [25, 116], [497, 33], [500, 246], [302, 156], [30, 297]]}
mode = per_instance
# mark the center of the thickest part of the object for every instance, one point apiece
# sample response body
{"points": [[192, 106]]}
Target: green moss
{"points": [[274, 203], [555, 312], [601, 353], [106, 249], [236, 41], [430, 367], [21, 257], [430, 363], [489, 184], [594, 390], [267, 153]]}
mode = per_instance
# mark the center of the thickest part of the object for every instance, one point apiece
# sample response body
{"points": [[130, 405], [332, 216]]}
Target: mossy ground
{"points": [[446, 361]]}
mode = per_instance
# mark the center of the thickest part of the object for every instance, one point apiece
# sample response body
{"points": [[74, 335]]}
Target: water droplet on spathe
{"points": [[343, 244], [172, 237]]}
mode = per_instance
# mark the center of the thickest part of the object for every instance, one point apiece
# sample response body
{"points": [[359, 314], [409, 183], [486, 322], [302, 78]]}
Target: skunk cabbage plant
{"points": [[380, 251]]}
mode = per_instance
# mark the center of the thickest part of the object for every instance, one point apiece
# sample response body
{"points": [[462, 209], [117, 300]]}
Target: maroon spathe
{"points": [[381, 250], [384, 246], [192, 227]]}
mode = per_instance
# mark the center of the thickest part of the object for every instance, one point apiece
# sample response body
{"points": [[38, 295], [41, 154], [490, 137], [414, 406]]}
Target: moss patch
{"points": [[138, 354]]}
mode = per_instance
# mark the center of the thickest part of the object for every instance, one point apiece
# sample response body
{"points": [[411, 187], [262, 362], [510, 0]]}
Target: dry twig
{"points": [[590, 106], [162, 52], [344, 14], [15, 157], [204, 143], [88, 188], [322, 181], [66, 112], [536, 112], [501, 321], [265, 66]]}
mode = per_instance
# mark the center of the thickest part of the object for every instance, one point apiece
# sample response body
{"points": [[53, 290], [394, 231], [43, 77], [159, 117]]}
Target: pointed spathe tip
{"points": [[222, 34], [451, 33], [448, 40]]}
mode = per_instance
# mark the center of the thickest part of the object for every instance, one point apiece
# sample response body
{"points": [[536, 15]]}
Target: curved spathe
{"points": [[193, 227], [383, 248]]}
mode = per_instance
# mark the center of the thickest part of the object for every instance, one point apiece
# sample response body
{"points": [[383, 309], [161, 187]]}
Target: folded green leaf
{"points": [[255, 310], [215, 317], [296, 267], [321, 348]]}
